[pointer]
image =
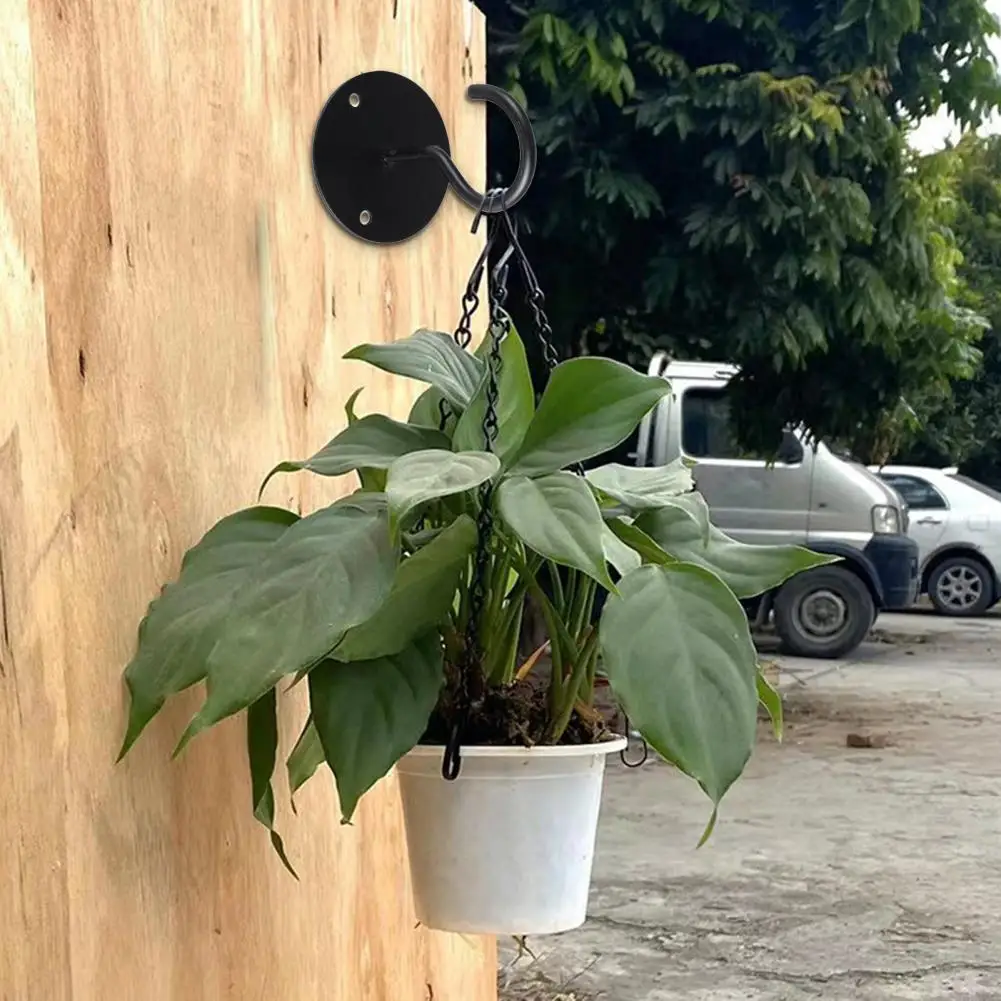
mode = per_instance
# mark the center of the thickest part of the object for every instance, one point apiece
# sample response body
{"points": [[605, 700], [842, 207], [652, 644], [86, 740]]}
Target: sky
{"points": [[933, 132]]}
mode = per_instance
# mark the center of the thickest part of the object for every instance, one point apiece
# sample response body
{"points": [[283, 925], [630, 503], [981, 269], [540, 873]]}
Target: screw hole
{"points": [[365, 218], [354, 100]]}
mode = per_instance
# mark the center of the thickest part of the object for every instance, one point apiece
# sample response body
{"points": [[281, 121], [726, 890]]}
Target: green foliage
{"points": [[371, 598], [369, 713], [747, 570], [558, 517], [372, 442], [962, 426], [262, 752], [731, 180], [681, 686]]}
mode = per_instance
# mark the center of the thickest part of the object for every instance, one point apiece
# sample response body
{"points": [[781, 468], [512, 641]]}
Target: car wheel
{"points": [[960, 585], [825, 612]]}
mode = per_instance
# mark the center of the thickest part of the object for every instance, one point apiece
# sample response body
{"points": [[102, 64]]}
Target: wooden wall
{"points": [[174, 305]]}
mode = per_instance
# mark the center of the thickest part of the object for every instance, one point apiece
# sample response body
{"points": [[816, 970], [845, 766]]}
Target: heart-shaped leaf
{"points": [[678, 654], [178, 632], [423, 476], [422, 595], [372, 442], [328, 572], [262, 750], [747, 570], [515, 403], [642, 487], [429, 356], [589, 406], [370, 713], [558, 517]]}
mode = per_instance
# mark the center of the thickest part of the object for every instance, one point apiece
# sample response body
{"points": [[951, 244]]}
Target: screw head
{"points": [[354, 100], [365, 218]]}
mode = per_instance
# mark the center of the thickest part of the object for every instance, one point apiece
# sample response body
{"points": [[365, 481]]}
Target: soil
{"points": [[516, 715]]}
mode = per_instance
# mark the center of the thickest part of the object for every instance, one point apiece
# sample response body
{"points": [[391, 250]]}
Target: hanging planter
{"points": [[533, 810], [400, 606]]}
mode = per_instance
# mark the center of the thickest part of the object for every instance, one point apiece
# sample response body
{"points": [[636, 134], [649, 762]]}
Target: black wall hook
{"points": [[382, 161]]}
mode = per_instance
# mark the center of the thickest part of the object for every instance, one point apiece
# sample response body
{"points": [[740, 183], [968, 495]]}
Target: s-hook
{"points": [[382, 161]]}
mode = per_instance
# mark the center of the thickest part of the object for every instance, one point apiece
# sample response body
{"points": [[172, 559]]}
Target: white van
{"points": [[808, 496]]}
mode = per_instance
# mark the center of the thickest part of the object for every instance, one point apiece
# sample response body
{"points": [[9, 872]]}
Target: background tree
{"points": [[965, 428], [731, 179]]}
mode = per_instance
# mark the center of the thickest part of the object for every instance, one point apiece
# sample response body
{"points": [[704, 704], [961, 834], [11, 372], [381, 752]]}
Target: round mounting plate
{"points": [[366, 118]]}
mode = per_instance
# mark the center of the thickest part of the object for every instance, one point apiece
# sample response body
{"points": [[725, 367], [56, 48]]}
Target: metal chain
{"points": [[470, 670], [534, 296]]}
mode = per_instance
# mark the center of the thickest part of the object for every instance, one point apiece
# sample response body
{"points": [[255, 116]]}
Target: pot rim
{"points": [[514, 751]]}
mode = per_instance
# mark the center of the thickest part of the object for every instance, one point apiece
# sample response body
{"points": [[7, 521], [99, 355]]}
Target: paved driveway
{"points": [[844, 873]]}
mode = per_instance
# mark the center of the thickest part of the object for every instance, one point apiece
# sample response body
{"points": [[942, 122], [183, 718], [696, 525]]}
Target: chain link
{"points": [[534, 296], [471, 681]]}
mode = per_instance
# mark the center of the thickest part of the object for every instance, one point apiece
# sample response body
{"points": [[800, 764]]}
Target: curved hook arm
{"points": [[527, 161]]}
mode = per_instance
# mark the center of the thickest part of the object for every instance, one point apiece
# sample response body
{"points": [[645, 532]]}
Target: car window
{"points": [[918, 494], [706, 431]]}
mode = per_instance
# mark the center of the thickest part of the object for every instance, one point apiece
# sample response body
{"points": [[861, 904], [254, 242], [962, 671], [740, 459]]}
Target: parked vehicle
{"points": [[956, 523], [808, 496]]}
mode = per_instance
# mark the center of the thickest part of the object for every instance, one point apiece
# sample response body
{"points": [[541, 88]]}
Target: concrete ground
{"points": [[836, 872]]}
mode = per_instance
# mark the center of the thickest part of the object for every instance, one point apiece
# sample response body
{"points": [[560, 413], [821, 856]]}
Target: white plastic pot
{"points": [[507, 847]]}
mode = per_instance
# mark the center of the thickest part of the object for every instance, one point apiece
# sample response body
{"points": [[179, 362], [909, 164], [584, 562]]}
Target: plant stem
{"points": [[588, 655], [503, 671], [554, 576], [588, 694], [583, 602]]}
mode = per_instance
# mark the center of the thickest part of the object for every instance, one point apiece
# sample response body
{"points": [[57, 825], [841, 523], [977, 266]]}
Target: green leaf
{"points": [[262, 750], [426, 412], [421, 597], [678, 654], [637, 540], [746, 570], [177, 634], [772, 702], [370, 713], [590, 405], [370, 479], [694, 506], [306, 757], [349, 407], [373, 442], [559, 518], [423, 476], [328, 572], [428, 356], [642, 487], [515, 403], [622, 557]]}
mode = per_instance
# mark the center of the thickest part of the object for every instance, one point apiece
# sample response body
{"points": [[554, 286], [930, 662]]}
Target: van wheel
{"points": [[825, 612], [960, 585]]}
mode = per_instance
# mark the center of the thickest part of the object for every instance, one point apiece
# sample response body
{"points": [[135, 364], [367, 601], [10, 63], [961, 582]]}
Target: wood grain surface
{"points": [[174, 305]]}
